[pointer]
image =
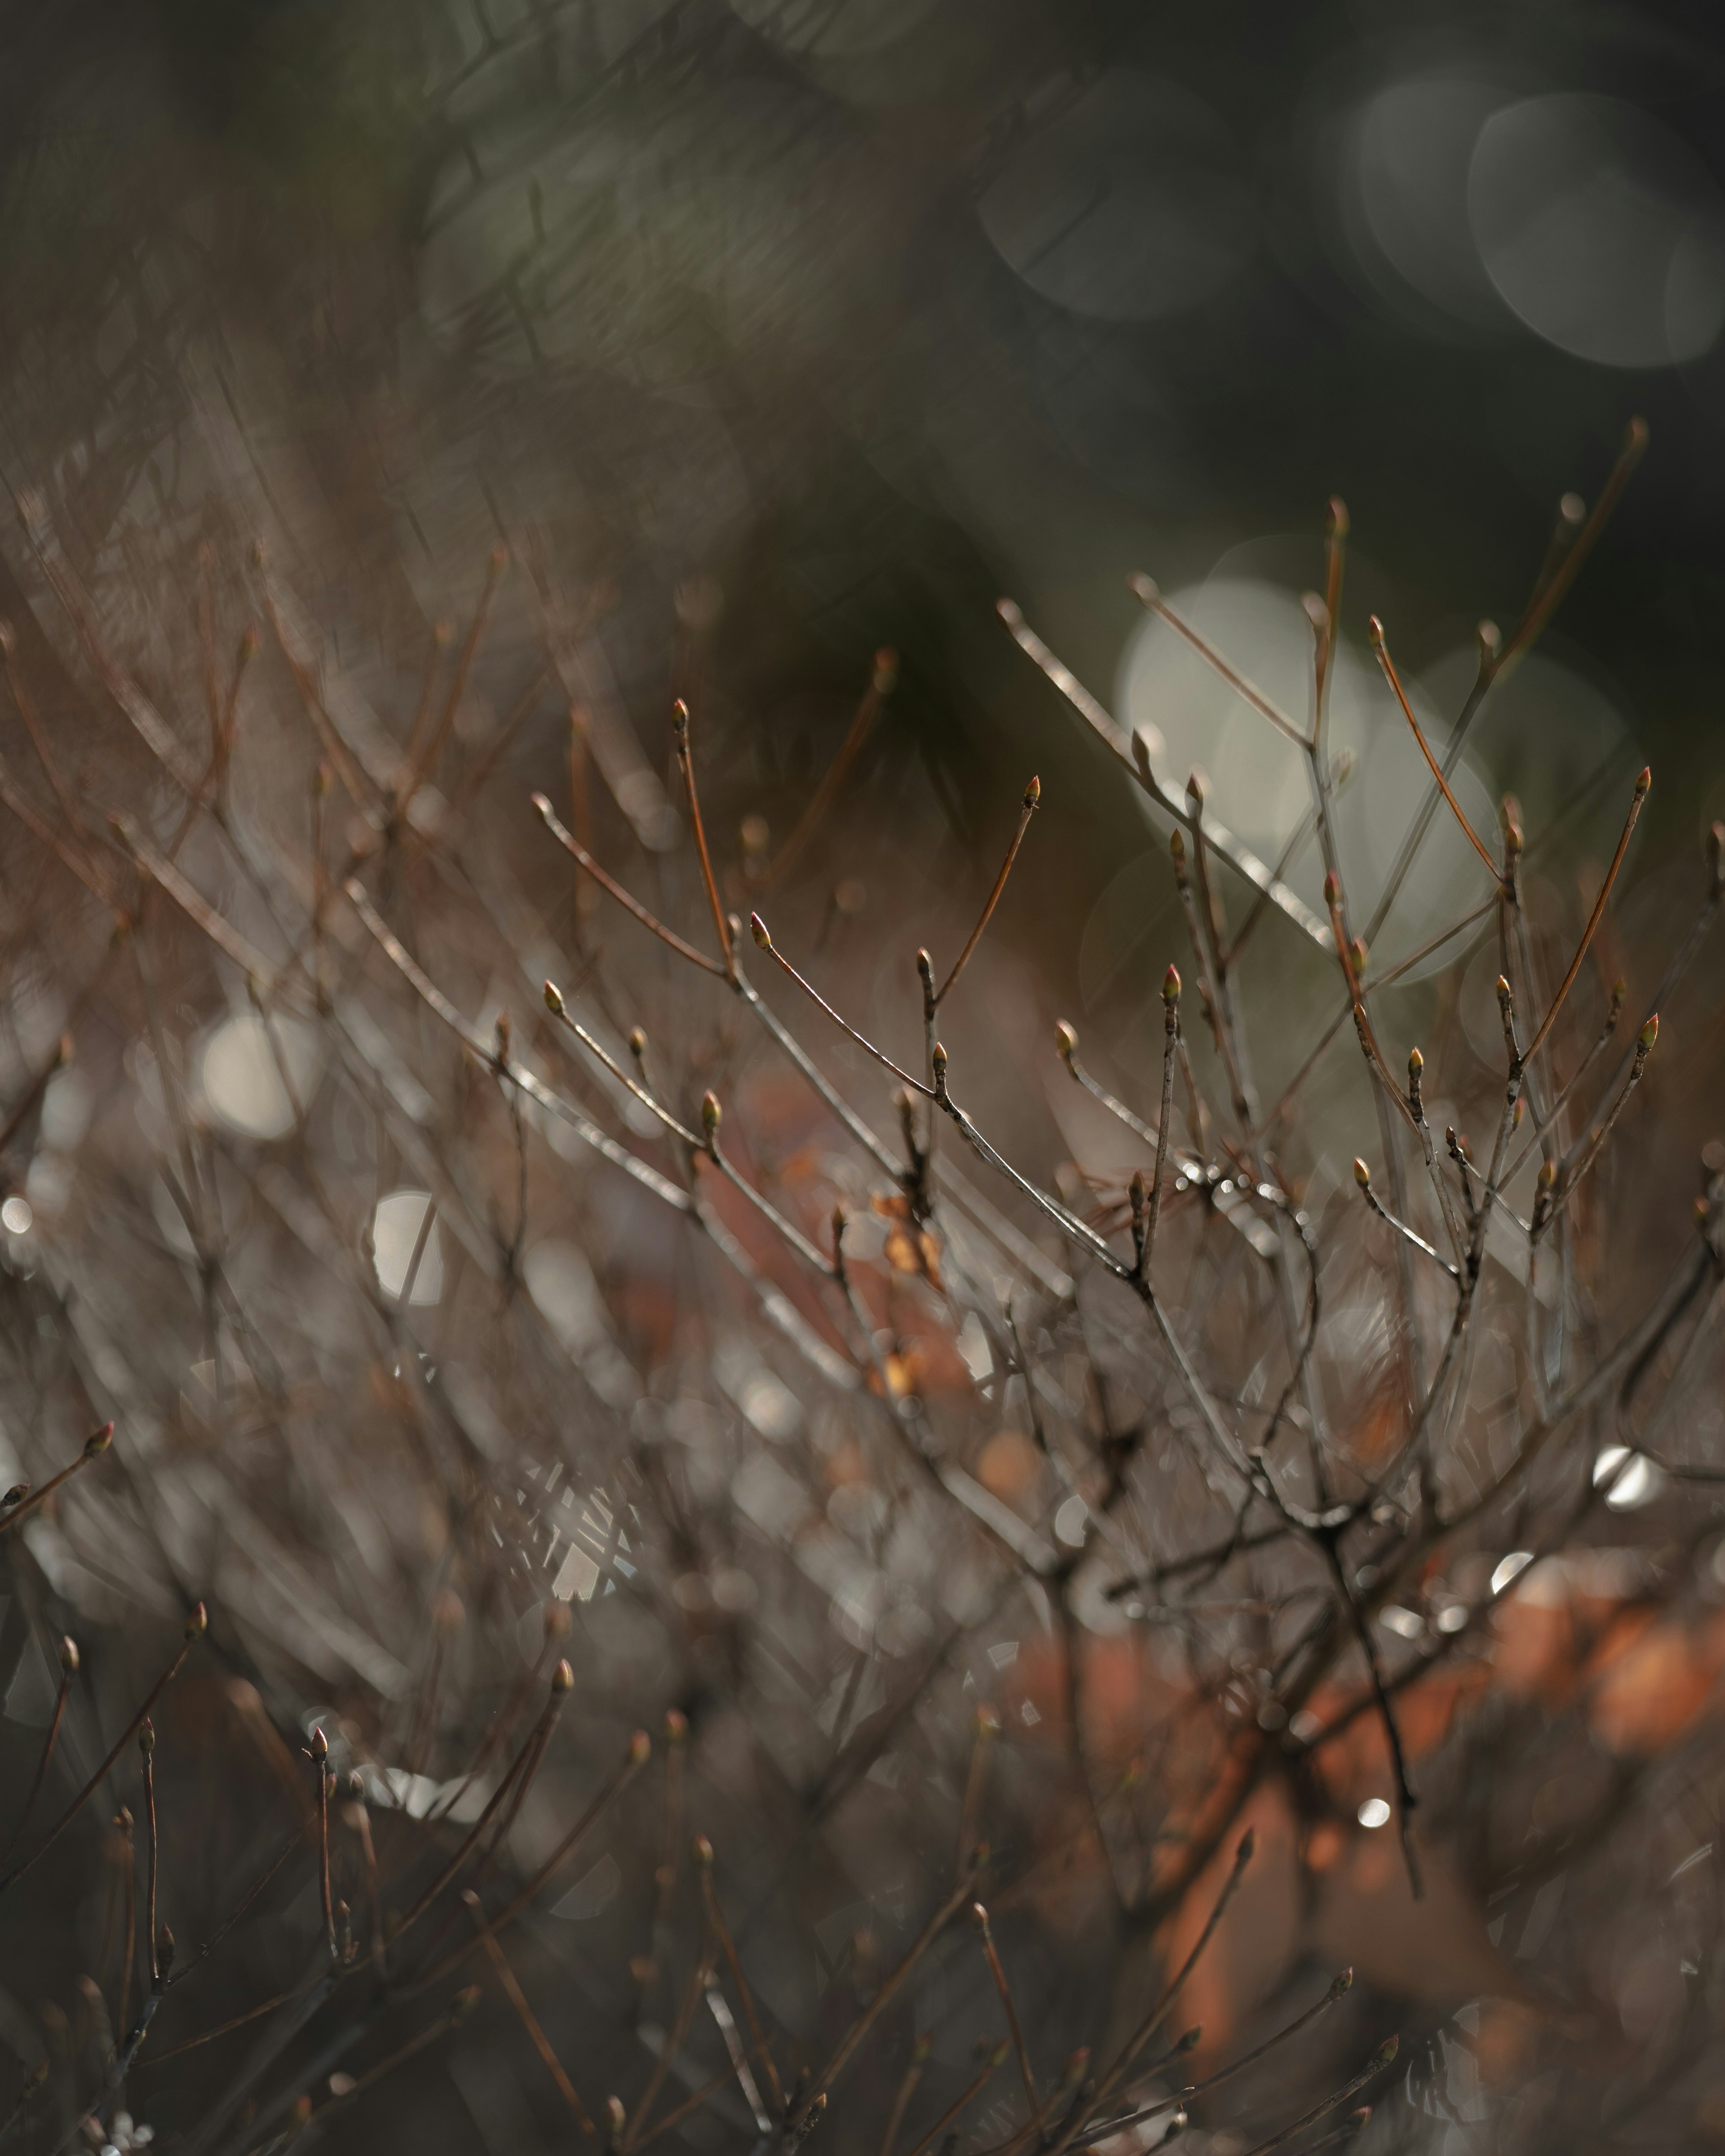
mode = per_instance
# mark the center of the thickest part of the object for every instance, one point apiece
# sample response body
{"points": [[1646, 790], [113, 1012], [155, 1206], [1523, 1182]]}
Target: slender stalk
{"points": [[146, 1754], [984, 2074], [93, 1447], [562, 1683], [727, 1946], [523, 2013], [854, 2037], [1388, 664], [921, 2051], [1028, 808], [422, 767], [686, 764], [578, 853], [1379, 2060], [1154, 603], [1122, 2067], [673, 2044], [881, 680], [990, 1952], [1642, 783], [195, 1626], [69, 1670], [764, 940]]}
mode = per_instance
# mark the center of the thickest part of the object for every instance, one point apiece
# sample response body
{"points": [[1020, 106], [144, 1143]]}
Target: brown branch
{"points": [[95, 1446], [421, 768], [1028, 808], [881, 680], [69, 1670], [981, 1916], [585, 860], [1381, 649], [523, 2013], [727, 1947], [686, 764], [1380, 2058], [1642, 783], [764, 940], [1152, 601], [195, 1626]]}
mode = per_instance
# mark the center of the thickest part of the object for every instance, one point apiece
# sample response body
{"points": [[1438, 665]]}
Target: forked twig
{"points": [[585, 860]]}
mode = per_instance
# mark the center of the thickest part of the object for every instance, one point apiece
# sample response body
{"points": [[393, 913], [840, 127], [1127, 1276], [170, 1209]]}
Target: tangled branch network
{"points": [[401, 1389]]}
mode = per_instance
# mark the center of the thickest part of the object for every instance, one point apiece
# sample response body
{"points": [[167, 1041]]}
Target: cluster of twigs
{"points": [[1189, 1465]]}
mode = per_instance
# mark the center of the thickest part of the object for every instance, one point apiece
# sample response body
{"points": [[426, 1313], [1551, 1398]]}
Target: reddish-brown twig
{"points": [[1379, 645], [1151, 598], [1027, 810], [686, 764], [585, 860], [525, 2015], [881, 679], [1643, 782]]}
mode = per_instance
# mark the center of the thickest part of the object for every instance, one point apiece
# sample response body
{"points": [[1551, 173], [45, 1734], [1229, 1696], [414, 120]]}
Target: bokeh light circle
{"points": [[1599, 230]]}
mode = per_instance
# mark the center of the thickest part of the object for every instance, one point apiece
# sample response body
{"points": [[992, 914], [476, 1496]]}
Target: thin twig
{"points": [[195, 1626], [523, 2013], [1642, 783], [585, 860], [1027, 810], [1381, 649], [686, 764]]}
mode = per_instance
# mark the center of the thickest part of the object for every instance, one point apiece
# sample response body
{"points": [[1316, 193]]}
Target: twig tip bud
{"points": [[1361, 1174], [1066, 1041], [1171, 987], [563, 1679], [554, 998], [757, 929], [711, 1112], [98, 1441]]}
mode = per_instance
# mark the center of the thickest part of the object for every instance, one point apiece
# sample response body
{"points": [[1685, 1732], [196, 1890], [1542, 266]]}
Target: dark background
{"points": [[853, 314]]}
